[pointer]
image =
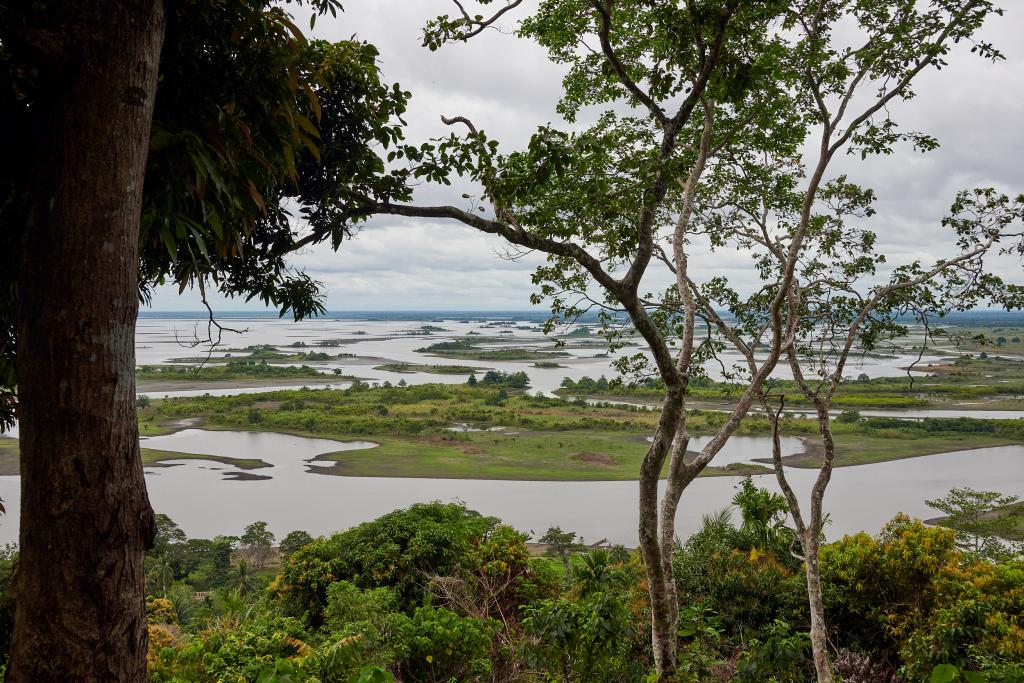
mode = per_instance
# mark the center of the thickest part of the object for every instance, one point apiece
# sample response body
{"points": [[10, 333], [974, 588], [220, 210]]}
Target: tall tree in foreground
{"points": [[85, 520], [675, 87], [694, 116], [845, 315], [114, 181]]}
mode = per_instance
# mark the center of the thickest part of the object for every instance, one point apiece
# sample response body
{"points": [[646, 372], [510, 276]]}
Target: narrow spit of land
{"points": [[150, 458]]}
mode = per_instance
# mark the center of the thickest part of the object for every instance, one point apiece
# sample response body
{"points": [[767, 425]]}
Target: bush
{"points": [[366, 627], [911, 596], [444, 647], [396, 550], [781, 657], [585, 639], [719, 568]]}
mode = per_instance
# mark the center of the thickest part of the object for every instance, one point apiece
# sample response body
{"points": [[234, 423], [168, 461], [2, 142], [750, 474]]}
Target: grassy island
{"points": [[512, 435], [465, 349]]}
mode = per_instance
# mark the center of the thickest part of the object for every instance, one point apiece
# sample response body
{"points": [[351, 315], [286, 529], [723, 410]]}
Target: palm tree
{"points": [[162, 572], [764, 514], [594, 575], [242, 578], [719, 520]]}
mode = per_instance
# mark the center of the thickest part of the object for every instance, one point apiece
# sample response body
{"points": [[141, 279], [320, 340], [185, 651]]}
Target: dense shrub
{"points": [[396, 550], [910, 596], [720, 569]]}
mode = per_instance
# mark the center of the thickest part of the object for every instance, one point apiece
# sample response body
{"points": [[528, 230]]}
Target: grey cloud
{"points": [[508, 87]]}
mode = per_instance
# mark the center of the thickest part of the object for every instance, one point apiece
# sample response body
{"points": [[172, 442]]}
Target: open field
{"points": [[536, 438], [1014, 512], [542, 456], [862, 448], [992, 339]]}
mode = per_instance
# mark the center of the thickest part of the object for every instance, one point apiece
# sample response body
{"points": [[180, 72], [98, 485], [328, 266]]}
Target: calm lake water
{"points": [[198, 497]]}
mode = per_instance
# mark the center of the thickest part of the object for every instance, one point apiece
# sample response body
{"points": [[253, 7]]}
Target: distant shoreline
{"points": [[537, 314]]}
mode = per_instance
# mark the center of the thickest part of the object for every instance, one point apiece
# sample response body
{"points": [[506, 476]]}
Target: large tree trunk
{"points": [[85, 516]]}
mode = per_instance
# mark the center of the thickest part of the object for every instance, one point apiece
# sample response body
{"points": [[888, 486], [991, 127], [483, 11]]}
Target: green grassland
{"points": [[993, 340], [576, 456], [862, 447], [8, 456], [542, 438], [1017, 513]]}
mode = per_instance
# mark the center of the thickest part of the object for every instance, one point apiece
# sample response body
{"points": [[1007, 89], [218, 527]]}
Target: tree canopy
{"points": [[260, 139]]}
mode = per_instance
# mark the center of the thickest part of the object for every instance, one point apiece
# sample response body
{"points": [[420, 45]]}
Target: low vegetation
{"points": [[409, 368], [232, 370], [437, 592]]}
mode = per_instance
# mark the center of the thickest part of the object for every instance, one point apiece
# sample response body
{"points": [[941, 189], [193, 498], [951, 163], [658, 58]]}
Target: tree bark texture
{"points": [[85, 515]]}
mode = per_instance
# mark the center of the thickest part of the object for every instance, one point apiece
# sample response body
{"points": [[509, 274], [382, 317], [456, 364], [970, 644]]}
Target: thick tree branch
{"points": [[604, 11]]}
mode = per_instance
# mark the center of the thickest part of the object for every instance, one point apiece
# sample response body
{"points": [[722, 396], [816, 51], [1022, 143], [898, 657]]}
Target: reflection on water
{"points": [[204, 504]]}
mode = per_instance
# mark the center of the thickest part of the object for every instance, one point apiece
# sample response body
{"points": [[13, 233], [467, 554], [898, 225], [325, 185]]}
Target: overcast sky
{"points": [[508, 87]]}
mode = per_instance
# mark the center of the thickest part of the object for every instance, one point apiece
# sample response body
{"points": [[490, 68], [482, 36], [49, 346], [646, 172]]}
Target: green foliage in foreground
{"points": [[437, 592], [395, 551]]}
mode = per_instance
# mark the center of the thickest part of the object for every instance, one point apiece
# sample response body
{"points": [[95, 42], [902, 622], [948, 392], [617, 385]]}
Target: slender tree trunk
{"points": [[819, 638], [810, 533], [85, 515], [675, 483], [812, 548], [657, 557]]}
